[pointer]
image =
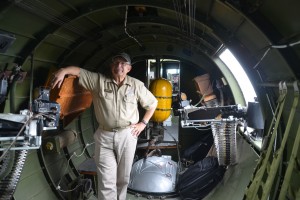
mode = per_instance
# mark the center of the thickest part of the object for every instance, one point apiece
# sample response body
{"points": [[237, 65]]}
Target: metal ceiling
{"points": [[86, 32]]}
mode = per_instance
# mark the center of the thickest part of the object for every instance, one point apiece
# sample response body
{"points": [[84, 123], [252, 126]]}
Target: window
{"points": [[241, 77]]}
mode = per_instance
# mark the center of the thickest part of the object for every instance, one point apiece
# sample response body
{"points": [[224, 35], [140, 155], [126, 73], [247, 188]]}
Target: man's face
{"points": [[120, 67]]}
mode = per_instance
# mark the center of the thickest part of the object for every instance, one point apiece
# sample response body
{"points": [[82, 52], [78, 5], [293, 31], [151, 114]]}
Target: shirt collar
{"points": [[127, 80]]}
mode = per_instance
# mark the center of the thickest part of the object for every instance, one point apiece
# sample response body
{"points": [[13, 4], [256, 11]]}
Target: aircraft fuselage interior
{"points": [[225, 74]]}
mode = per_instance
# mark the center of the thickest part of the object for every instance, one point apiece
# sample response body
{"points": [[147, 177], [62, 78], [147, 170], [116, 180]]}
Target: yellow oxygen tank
{"points": [[162, 89]]}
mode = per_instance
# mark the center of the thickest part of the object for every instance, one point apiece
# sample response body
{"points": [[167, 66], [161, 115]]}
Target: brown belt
{"points": [[113, 129]]}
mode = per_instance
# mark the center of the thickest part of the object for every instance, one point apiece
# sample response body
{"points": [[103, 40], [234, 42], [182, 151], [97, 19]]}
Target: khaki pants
{"points": [[114, 153]]}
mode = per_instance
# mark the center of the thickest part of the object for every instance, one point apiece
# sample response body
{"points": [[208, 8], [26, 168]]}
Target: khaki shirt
{"points": [[116, 107]]}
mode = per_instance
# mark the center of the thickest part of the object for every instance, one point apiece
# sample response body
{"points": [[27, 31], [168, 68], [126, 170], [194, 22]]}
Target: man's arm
{"points": [[139, 127], [59, 75], [148, 114]]}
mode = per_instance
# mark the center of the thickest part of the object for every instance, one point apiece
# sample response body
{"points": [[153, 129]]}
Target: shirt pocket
{"points": [[130, 101], [106, 95]]}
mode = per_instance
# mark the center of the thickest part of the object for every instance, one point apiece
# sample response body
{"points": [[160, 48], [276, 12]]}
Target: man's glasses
{"points": [[117, 63]]}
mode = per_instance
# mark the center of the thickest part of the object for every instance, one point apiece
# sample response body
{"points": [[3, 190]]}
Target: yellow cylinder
{"points": [[162, 89]]}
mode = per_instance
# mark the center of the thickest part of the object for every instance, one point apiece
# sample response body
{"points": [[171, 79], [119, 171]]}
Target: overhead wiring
{"points": [[48, 13], [191, 17], [275, 47], [178, 13], [186, 18], [285, 45], [263, 56], [125, 28]]}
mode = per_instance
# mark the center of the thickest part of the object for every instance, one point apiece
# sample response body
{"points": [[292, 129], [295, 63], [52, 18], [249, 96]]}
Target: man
{"points": [[115, 100]]}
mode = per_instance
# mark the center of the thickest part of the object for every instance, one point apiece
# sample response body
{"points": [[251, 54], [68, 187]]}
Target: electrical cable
{"points": [[199, 100], [204, 94], [178, 14], [186, 20], [48, 13], [285, 45], [125, 28], [264, 55], [275, 47], [74, 154], [194, 16]]}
